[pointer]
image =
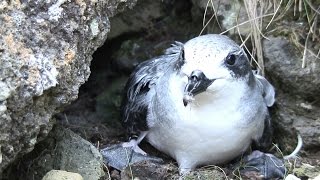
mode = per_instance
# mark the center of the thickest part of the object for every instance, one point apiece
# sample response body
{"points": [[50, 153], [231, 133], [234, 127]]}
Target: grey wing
{"points": [[265, 141], [268, 94], [267, 90], [138, 90]]}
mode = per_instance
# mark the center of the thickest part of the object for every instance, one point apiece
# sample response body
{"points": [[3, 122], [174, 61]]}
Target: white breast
{"points": [[215, 128]]}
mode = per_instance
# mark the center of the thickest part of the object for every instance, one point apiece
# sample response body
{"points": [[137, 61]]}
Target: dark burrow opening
{"points": [[96, 112]]}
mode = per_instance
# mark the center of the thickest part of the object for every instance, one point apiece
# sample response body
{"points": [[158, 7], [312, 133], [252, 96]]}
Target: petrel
{"points": [[200, 103]]}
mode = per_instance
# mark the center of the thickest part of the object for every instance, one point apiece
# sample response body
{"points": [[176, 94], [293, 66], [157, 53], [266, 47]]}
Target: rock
{"points": [[291, 177], [307, 171], [229, 13], [63, 150], [146, 30], [62, 175], [316, 178], [45, 54], [136, 19], [284, 64], [293, 115], [133, 52], [297, 108]]}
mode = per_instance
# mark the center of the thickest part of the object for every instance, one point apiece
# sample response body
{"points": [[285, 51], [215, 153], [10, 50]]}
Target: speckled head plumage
{"points": [[217, 56]]}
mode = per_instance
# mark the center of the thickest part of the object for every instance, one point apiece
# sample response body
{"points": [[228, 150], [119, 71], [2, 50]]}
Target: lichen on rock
{"points": [[45, 54]]}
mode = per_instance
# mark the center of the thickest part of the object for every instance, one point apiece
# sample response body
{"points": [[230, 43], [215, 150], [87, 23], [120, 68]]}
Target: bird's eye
{"points": [[231, 59], [194, 77]]}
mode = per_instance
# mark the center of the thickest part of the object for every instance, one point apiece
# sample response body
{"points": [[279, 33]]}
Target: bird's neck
{"points": [[229, 98]]}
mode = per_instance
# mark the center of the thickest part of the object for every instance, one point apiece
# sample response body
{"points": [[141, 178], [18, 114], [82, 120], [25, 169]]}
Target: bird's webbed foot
{"points": [[134, 145], [119, 156], [263, 165]]}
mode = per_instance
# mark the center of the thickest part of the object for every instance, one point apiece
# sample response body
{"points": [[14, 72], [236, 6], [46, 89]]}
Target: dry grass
{"points": [[214, 167], [129, 165], [263, 16], [108, 172], [256, 29]]}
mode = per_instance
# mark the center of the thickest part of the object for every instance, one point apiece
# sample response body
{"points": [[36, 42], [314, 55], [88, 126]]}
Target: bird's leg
{"points": [[266, 165], [184, 171], [185, 165], [121, 155], [135, 142]]}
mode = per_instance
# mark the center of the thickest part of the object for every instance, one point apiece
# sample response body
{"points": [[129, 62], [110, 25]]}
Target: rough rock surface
{"points": [[298, 106], [62, 175], [284, 62], [45, 54], [137, 19], [230, 13], [291, 116], [63, 150]]}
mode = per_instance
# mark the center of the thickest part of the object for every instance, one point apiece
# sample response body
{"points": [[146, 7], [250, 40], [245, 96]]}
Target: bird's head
{"points": [[213, 61]]}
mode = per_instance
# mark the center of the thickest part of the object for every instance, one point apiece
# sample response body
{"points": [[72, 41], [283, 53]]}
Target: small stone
{"points": [[291, 177], [3, 108], [4, 91], [62, 175], [316, 178], [94, 26]]}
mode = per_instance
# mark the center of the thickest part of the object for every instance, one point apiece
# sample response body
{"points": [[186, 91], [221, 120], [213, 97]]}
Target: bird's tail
{"points": [[296, 150]]}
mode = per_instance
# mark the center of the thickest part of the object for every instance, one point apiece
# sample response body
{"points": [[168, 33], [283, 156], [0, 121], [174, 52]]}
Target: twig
{"points": [[274, 15], [108, 172], [204, 17], [306, 47]]}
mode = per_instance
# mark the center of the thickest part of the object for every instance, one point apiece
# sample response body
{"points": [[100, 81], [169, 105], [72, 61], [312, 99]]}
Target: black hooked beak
{"points": [[197, 83]]}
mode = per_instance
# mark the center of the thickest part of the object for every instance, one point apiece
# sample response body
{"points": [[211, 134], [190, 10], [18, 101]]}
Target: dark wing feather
{"points": [[268, 94], [265, 141], [137, 90]]}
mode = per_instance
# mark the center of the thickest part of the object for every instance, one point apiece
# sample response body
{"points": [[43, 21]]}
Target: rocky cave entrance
{"points": [[156, 25], [152, 27]]}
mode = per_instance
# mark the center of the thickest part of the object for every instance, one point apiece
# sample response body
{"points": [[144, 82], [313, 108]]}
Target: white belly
{"points": [[203, 143]]}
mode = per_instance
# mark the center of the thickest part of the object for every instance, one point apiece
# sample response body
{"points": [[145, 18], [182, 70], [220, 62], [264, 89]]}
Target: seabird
{"points": [[200, 103]]}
